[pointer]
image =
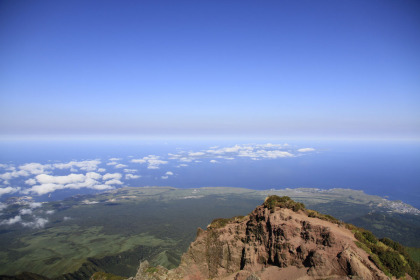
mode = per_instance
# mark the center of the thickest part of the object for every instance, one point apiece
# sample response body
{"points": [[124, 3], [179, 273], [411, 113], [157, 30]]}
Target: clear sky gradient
{"points": [[273, 68]]}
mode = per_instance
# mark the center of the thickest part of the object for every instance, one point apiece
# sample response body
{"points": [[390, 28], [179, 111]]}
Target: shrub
{"points": [[274, 201]]}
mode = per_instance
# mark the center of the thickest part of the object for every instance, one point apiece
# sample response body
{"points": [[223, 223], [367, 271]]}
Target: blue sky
{"points": [[346, 69]]}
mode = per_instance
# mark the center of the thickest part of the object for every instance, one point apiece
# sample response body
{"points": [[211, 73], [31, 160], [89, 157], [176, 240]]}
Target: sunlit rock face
{"points": [[271, 243]]}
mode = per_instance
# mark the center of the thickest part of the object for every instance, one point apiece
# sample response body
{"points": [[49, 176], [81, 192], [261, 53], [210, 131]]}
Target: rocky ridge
{"points": [[278, 240]]}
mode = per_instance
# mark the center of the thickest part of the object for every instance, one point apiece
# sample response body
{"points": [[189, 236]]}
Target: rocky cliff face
{"points": [[271, 243]]}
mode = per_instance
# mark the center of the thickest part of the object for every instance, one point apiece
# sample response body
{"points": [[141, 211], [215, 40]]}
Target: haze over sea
{"points": [[385, 168], [97, 95]]}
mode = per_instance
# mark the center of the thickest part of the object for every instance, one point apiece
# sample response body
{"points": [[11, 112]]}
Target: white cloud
{"points": [[3, 206], [35, 168], [153, 161], [14, 174], [67, 218], [44, 188], [130, 170], [140, 160], [183, 165], [71, 178], [49, 212], [93, 175], [113, 182], [213, 161], [112, 163], [108, 176], [101, 187], [34, 205], [38, 223], [3, 165], [30, 182], [87, 165], [114, 159], [170, 173], [8, 190], [305, 150], [101, 170], [11, 221], [25, 211], [196, 154], [131, 176], [164, 177], [120, 165], [48, 183]]}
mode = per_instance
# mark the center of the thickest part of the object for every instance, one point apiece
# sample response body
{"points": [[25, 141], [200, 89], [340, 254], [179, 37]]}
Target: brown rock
{"points": [[271, 244]]}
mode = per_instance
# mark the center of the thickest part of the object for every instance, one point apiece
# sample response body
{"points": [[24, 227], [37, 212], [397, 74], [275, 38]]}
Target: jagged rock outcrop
{"points": [[271, 243]]}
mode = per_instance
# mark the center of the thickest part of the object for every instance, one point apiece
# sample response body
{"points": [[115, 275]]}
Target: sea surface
{"points": [[61, 168]]}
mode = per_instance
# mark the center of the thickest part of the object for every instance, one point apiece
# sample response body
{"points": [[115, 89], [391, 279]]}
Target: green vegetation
{"points": [[388, 255], [316, 214], [414, 253], [221, 222], [151, 270], [105, 276], [274, 201]]}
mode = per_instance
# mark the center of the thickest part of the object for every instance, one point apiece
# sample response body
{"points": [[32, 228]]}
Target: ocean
{"points": [[56, 169]]}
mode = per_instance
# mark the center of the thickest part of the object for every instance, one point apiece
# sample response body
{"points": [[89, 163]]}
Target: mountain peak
{"points": [[280, 239]]}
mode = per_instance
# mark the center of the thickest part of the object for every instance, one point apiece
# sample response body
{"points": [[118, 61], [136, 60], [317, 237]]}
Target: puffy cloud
{"points": [[11, 221], [113, 182], [34, 205], [37, 223], [35, 168], [49, 212], [182, 165], [25, 211], [87, 165], [114, 159], [120, 165], [112, 163], [213, 161], [101, 187], [139, 160], [3, 206], [30, 182], [93, 175], [130, 170], [108, 176], [8, 190], [14, 174], [48, 183], [101, 170], [196, 154], [131, 176], [305, 150], [48, 179], [167, 174], [153, 161], [44, 188]]}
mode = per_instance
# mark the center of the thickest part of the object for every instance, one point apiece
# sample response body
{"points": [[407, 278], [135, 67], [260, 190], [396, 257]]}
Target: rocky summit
{"points": [[278, 240]]}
